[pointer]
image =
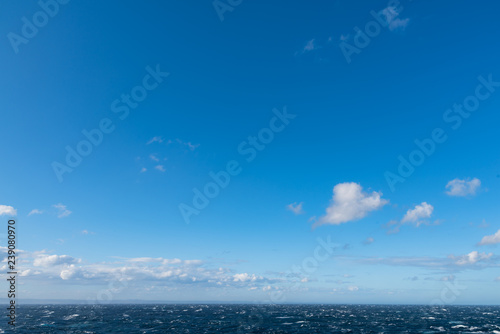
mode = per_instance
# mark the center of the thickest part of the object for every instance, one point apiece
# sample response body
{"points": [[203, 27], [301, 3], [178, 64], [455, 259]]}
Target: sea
{"points": [[234, 318]]}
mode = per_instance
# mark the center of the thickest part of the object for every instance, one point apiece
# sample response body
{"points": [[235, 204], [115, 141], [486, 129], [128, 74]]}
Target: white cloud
{"points": [[144, 169], [161, 168], [309, 46], [7, 210], [245, 277], [353, 288], [86, 232], [63, 211], [158, 139], [399, 24], [35, 212], [462, 188], [448, 278], [471, 258], [154, 157], [44, 260], [135, 272], [451, 263], [295, 208], [421, 211], [368, 241], [391, 14], [344, 37], [416, 215], [490, 239], [190, 145], [350, 203]]}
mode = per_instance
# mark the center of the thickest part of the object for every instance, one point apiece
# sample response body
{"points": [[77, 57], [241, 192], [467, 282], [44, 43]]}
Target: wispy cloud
{"points": [[471, 258], [490, 239], [6, 210], [310, 46], [161, 168], [451, 263], [448, 278], [157, 139], [63, 210], [463, 188], [295, 208], [154, 157], [391, 15], [190, 145], [35, 212], [368, 241], [350, 203]]}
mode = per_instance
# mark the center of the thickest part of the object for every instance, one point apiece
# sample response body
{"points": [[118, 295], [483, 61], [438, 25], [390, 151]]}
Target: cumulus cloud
{"points": [[350, 203], [463, 188], [63, 210], [45, 260], [295, 208], [490, 239], [245, 277], [35, 212], [160, 272], [417, 214], [6, 210]]}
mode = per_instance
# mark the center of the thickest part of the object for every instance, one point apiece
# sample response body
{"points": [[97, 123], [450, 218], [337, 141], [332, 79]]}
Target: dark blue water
{"points": [[256, 319]]}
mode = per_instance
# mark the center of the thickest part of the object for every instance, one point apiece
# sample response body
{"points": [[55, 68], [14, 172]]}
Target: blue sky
{"points": [[315, 109]]}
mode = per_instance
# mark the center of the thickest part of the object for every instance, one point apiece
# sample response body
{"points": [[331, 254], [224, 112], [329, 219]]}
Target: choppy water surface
{"points": [[256, 319]]}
